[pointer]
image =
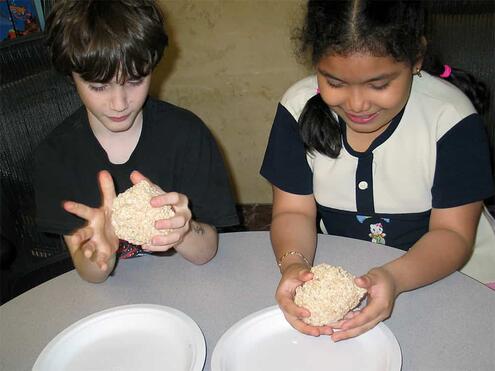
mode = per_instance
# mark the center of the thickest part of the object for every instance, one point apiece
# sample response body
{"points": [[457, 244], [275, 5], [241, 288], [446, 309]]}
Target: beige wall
{"points": [[230, 62]]}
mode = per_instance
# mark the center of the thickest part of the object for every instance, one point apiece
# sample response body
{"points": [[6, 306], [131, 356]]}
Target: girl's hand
{"points": [[97, 240], [180, 224], [293, 276], [381, 298]]}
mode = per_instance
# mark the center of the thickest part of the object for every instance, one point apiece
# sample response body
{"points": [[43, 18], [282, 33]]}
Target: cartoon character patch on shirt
{"points": [[377, 235]]}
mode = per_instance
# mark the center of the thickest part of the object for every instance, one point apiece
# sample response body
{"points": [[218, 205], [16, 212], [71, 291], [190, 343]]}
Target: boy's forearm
{"points": [[200, 244]]}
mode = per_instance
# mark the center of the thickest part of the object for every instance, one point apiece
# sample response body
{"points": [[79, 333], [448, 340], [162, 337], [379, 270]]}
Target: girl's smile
{"points": [[362, 119]]}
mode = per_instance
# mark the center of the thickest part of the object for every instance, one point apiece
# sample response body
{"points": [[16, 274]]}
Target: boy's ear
{"points": [[70, 79]]}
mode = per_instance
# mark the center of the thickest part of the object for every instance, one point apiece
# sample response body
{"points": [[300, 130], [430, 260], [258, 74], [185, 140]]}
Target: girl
{"points": [[379, 146]]}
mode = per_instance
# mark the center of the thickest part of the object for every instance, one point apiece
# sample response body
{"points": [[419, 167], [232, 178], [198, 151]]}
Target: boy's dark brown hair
{"points": [[102, 39]]}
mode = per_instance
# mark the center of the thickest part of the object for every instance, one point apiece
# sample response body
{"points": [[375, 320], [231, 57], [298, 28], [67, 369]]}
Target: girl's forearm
{"points": [[436, 255], [292, 231]]}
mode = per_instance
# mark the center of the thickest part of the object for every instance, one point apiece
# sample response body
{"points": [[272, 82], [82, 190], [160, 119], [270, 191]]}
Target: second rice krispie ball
{"points": [[133, 217], [329, 296]]}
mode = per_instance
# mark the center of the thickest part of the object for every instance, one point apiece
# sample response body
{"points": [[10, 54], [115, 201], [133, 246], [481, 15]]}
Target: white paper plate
{"points": [[264, 341], [130, 337]]}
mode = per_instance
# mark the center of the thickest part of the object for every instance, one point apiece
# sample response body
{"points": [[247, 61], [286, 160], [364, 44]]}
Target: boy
{"points": [[109, 49]]}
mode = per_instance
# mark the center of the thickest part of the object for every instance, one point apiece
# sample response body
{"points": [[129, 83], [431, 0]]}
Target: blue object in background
{"points": [[20, 18], [6, 25]]}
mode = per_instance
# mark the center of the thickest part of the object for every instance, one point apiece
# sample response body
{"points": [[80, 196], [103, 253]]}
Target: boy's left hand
{"points": [[180, 224], [380, 301]]}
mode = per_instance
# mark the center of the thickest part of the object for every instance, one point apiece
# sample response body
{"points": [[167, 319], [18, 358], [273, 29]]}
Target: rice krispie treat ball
{"points": [[329, 296], [133, 217]]}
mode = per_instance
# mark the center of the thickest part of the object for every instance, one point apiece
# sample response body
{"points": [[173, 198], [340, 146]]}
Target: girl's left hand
{"points": [[381, 289], [179, 224]]}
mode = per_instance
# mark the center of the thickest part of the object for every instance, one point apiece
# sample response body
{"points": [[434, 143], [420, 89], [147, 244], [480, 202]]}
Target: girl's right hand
{"points": [[294, 276]]}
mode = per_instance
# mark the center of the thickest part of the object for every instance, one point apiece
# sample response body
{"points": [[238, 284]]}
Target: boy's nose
{"points": [[118, 100]]}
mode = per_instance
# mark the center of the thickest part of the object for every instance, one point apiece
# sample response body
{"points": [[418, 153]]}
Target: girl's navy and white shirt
{"points": [[434, 154]]}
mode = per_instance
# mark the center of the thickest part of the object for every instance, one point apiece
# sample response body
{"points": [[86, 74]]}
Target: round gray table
{"points": [[447, 326]]}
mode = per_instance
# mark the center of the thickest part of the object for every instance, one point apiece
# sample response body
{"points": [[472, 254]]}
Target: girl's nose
{"points": [[118, 100], [357, 101]]}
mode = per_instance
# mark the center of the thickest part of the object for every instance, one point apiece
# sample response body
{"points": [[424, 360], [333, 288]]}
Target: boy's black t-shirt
{"points": [[176, 151]]}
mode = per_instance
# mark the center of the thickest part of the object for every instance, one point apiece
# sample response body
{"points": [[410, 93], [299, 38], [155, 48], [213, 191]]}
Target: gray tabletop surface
{"points": [[446, 326]]}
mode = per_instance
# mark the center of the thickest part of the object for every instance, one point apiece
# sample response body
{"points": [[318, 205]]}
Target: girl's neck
{"points": [[119, 146], [360, 142]]}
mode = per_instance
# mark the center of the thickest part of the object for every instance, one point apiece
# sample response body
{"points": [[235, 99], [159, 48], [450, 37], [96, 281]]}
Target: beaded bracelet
{"points": [[291, 253]]}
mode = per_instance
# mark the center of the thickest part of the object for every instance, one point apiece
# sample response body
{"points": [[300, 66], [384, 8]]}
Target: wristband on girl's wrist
{"points": [[292, 253]]}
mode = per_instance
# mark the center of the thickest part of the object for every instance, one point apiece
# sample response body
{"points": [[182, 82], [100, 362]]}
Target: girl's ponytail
{"points": [[319, 129], [477, 91]]}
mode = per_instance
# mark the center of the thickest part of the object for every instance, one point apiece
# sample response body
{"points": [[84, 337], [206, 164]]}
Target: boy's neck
{"points": [[118, 145]]}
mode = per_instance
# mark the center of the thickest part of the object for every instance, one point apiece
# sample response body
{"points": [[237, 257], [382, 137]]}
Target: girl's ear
{"points": [[419, 61]]}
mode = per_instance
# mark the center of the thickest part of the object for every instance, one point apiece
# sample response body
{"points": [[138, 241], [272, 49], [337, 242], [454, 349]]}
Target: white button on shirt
{"points": [[363, 185]]}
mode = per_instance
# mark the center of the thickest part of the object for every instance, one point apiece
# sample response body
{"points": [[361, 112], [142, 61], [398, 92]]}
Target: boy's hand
{"points": [[381, 298], [180, 224], [97, 240]]}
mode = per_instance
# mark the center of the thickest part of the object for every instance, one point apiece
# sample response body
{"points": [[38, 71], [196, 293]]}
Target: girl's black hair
{"points": [[380, 28], [99, 39]]}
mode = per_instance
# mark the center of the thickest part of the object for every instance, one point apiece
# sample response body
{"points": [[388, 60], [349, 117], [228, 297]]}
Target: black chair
{"points": [[463, 34], [33, 100]]}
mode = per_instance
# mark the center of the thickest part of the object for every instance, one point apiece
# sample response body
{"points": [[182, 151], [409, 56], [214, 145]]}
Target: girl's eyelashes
{"points": [[380, 86], [338, 84], [334, 84]]}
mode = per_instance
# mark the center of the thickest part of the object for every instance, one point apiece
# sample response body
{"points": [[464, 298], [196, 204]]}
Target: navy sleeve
{"points": [[463, 171], [285, 164]]}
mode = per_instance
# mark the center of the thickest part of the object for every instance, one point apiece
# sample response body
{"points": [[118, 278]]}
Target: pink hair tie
{"points": [[317, 90], [447, 70]]}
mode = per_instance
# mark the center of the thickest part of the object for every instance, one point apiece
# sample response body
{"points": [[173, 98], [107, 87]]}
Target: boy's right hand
{"points": [[97, 240], [293, 276]]}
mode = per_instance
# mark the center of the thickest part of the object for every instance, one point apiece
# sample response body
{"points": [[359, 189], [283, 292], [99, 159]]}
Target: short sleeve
{"points": [[285, 164], [51, 189], [463, 171], [205, 181]]}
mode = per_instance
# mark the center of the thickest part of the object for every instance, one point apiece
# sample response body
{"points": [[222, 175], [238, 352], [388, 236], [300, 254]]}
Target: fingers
{"points": [[82, 235], [107, 188], [349, 330], [163, 242], [102, 261], [101, 253], [175, 199], [89, 250], [175, 222], [305, 275], [301, 326], [80, 210], [379, 307], [136, 177], [295, 314], [364, 281], [286, 303]]}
